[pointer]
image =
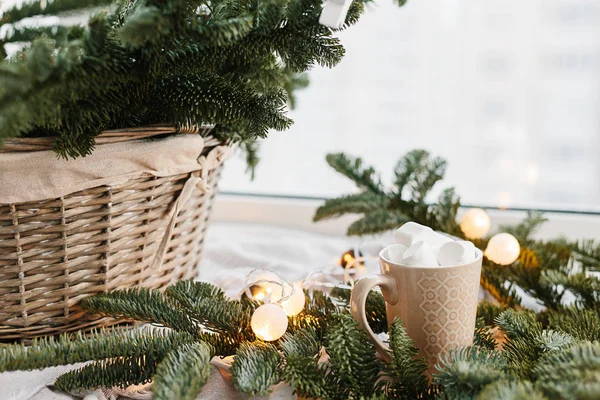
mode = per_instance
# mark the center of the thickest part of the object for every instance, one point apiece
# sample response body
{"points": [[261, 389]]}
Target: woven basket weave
{"points": [[54, 252]]}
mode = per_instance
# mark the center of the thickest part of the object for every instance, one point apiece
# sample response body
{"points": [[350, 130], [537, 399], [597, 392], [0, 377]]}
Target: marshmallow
{"points": [[395, 253], [407, 233], [411, 232], [456, 253], [420, 254]]}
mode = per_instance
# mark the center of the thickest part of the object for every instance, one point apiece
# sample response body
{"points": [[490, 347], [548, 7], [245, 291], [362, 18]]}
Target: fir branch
{"points": [[27, 34], [511, 390], [484, 338], [572, 373], [407, 367], [464, 373], [581, 324], [217, 99], [255, 368], [519, 325], [352, 357], [528, 342], [121, 372], [302, 343], [182, 373], [374, 307], [102, 344], [189, 293], [358, 203], [377, 221], [47, 7], [417, 173], [352, 168], [142, 304], [207, 305], [488, 311], [587, 252], [525, 230], [307, 377]]}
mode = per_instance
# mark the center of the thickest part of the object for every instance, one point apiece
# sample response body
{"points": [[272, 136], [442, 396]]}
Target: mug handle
{"points": [[358, 300]]}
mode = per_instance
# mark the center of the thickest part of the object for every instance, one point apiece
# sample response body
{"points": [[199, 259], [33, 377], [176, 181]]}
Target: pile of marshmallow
{"points": [[420, 246]]}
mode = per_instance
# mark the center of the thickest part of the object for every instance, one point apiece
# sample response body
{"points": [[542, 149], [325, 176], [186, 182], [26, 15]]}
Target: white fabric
{"points": [[232, 251], [41, 175]]}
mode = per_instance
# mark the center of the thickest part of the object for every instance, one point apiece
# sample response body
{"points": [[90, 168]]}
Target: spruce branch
{"points": [[525, 230], [464, 373], [303, 342], [483, 336], [377, 221], [102, 344], [528, 341], [182, 373], [359, 203], [407, 367], [120, 372], [571, 373], [374, 307], [582, 324], [587, 252], [307, 377], [208, 305], [417, 173], [142, 304], [352, 168], [255, 368], [352, 357], [511, 390], [48, 7]]}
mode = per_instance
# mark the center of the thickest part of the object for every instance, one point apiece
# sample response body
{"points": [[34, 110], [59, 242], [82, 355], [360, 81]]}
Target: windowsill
{"points": [[297, 213]]}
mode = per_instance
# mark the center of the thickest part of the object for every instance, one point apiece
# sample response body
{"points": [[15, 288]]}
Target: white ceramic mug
{"points": [[438, 305]]}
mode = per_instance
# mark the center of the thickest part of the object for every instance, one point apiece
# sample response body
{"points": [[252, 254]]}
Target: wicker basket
{"points": [[54, 252]]}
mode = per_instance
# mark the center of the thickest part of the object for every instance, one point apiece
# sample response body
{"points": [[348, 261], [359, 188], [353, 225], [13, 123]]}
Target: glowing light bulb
{"points": [[503, 249], [295, 303], [269, 322], [259, 296], [475, 223]]}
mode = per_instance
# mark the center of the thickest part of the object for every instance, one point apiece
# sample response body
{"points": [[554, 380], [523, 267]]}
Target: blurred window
{"points": [[507, 91]]}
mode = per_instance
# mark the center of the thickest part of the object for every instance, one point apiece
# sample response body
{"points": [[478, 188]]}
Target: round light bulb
{"points": [[295, 303], [475, 223], [262, 290], [269, 322], [503, 249]]}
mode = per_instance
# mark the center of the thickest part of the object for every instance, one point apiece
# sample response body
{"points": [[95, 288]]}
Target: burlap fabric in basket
{"points": [[133, 213]]}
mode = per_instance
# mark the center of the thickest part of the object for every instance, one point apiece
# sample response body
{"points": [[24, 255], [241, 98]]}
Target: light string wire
{"points": [[324, 278]]}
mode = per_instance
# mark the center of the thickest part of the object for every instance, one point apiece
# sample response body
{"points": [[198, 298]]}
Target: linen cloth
{"points": [[231, 252], [41, 175]]}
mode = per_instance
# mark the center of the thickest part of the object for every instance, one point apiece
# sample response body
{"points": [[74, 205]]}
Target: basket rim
{"points": [[19, 144]]}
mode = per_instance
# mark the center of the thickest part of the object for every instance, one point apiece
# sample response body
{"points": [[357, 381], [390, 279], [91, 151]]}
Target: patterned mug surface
{"points": [[438, 305]]}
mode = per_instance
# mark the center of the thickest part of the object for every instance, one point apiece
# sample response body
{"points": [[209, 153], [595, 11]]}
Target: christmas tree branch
{"points": [[255, 368], [71, 349], [182, 373], [142, 304]]}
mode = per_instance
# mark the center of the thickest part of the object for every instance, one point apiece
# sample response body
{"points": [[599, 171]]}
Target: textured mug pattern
{"points": [[449, 308]]}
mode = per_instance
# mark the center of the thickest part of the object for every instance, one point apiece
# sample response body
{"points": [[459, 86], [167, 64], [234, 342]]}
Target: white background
{"points": [[507, 91]]}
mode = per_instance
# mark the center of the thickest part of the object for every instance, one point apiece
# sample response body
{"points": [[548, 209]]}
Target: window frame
{"points": [[297, 213]]}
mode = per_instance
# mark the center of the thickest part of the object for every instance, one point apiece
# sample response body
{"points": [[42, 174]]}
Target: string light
{"points": [[269, 322], [282, 299], [503, 249], [296, 301], [475, 223]]}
